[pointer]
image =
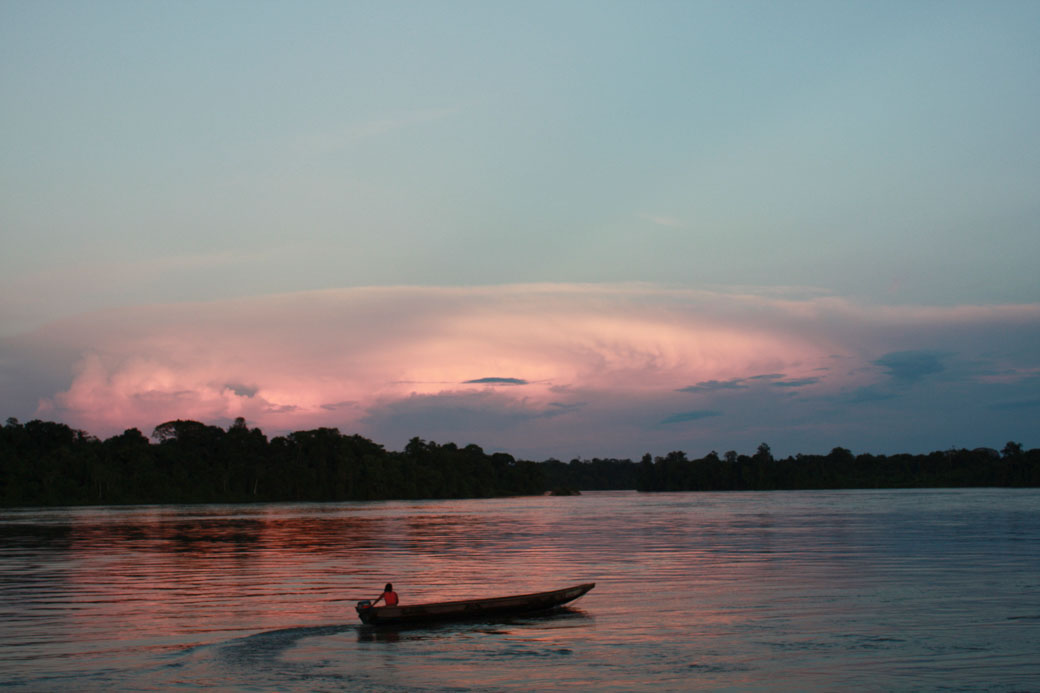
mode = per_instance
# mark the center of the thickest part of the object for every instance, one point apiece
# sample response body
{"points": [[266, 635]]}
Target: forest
{"points": [[47, 463]]}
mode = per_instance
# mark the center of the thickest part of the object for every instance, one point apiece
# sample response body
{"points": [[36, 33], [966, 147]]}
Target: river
{"points": [[822, 590]]}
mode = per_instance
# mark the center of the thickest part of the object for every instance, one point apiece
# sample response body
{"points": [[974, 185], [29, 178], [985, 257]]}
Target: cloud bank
{"points": [[547, 370]]}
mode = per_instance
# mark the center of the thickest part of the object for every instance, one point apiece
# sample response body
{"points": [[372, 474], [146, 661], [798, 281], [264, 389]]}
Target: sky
{"points": [[560, 229]]}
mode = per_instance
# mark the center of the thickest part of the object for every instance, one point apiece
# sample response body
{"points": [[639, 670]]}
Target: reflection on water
{"points": [[800, 590]]}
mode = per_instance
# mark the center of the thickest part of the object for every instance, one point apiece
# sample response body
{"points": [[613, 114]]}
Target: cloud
{"points": [[717, 385], [911, 366], [800, 382], [441, 411], [745, 383], [333, 406], [562, 407], [243, 390], [496, 381], [603, 367]]}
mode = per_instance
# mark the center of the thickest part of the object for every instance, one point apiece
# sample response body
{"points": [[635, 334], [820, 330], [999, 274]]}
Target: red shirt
{"points": [[390, 598]]}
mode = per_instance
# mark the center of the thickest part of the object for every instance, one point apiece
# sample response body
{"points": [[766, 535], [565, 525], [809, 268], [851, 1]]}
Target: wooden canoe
{"points": [[469, 608]]}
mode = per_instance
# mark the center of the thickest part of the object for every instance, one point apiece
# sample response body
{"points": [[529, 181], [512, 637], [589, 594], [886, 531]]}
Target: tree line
{"points": [[48, 463], [1012, 466]]}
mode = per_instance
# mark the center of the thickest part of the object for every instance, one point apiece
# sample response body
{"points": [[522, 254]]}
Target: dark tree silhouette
{"points": [[47, 463]]}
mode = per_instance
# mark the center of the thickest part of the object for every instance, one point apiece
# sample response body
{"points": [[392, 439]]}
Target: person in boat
{"points": [[389, 597]]}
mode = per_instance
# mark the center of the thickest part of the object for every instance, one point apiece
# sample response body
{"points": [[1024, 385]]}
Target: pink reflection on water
{"points": [[825, 590], [171, 581]]}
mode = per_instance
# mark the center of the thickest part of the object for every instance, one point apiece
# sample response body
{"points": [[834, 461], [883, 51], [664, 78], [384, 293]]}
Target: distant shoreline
{"points": [[44, 463]]}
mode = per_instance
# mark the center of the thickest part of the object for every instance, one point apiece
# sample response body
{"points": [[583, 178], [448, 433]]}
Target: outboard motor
{"points": [[364, 608]]}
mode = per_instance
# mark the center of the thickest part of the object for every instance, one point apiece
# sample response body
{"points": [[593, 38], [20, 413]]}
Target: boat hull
{"points": [[470, 608]]}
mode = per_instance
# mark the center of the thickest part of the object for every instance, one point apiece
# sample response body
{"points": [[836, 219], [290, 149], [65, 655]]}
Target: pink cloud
{"points": [[513, 363], [300, 353]]}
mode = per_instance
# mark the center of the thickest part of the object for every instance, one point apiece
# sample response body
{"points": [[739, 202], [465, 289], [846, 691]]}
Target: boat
{"points": [[469, 608]]}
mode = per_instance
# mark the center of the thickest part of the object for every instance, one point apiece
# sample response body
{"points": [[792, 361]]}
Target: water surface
{"points": [[880, 590]]}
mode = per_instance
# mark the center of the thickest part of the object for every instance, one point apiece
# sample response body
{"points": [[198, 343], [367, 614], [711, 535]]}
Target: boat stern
{"points": [[364, 610]]}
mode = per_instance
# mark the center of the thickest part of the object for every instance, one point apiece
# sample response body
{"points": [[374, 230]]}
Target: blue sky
{"points": [[185, 159]]}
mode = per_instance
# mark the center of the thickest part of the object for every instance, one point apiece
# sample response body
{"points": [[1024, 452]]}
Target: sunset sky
{"points": [[553, 229]]}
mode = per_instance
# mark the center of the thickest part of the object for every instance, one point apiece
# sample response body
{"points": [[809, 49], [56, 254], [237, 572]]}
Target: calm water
{"points": [[875, 590]]}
